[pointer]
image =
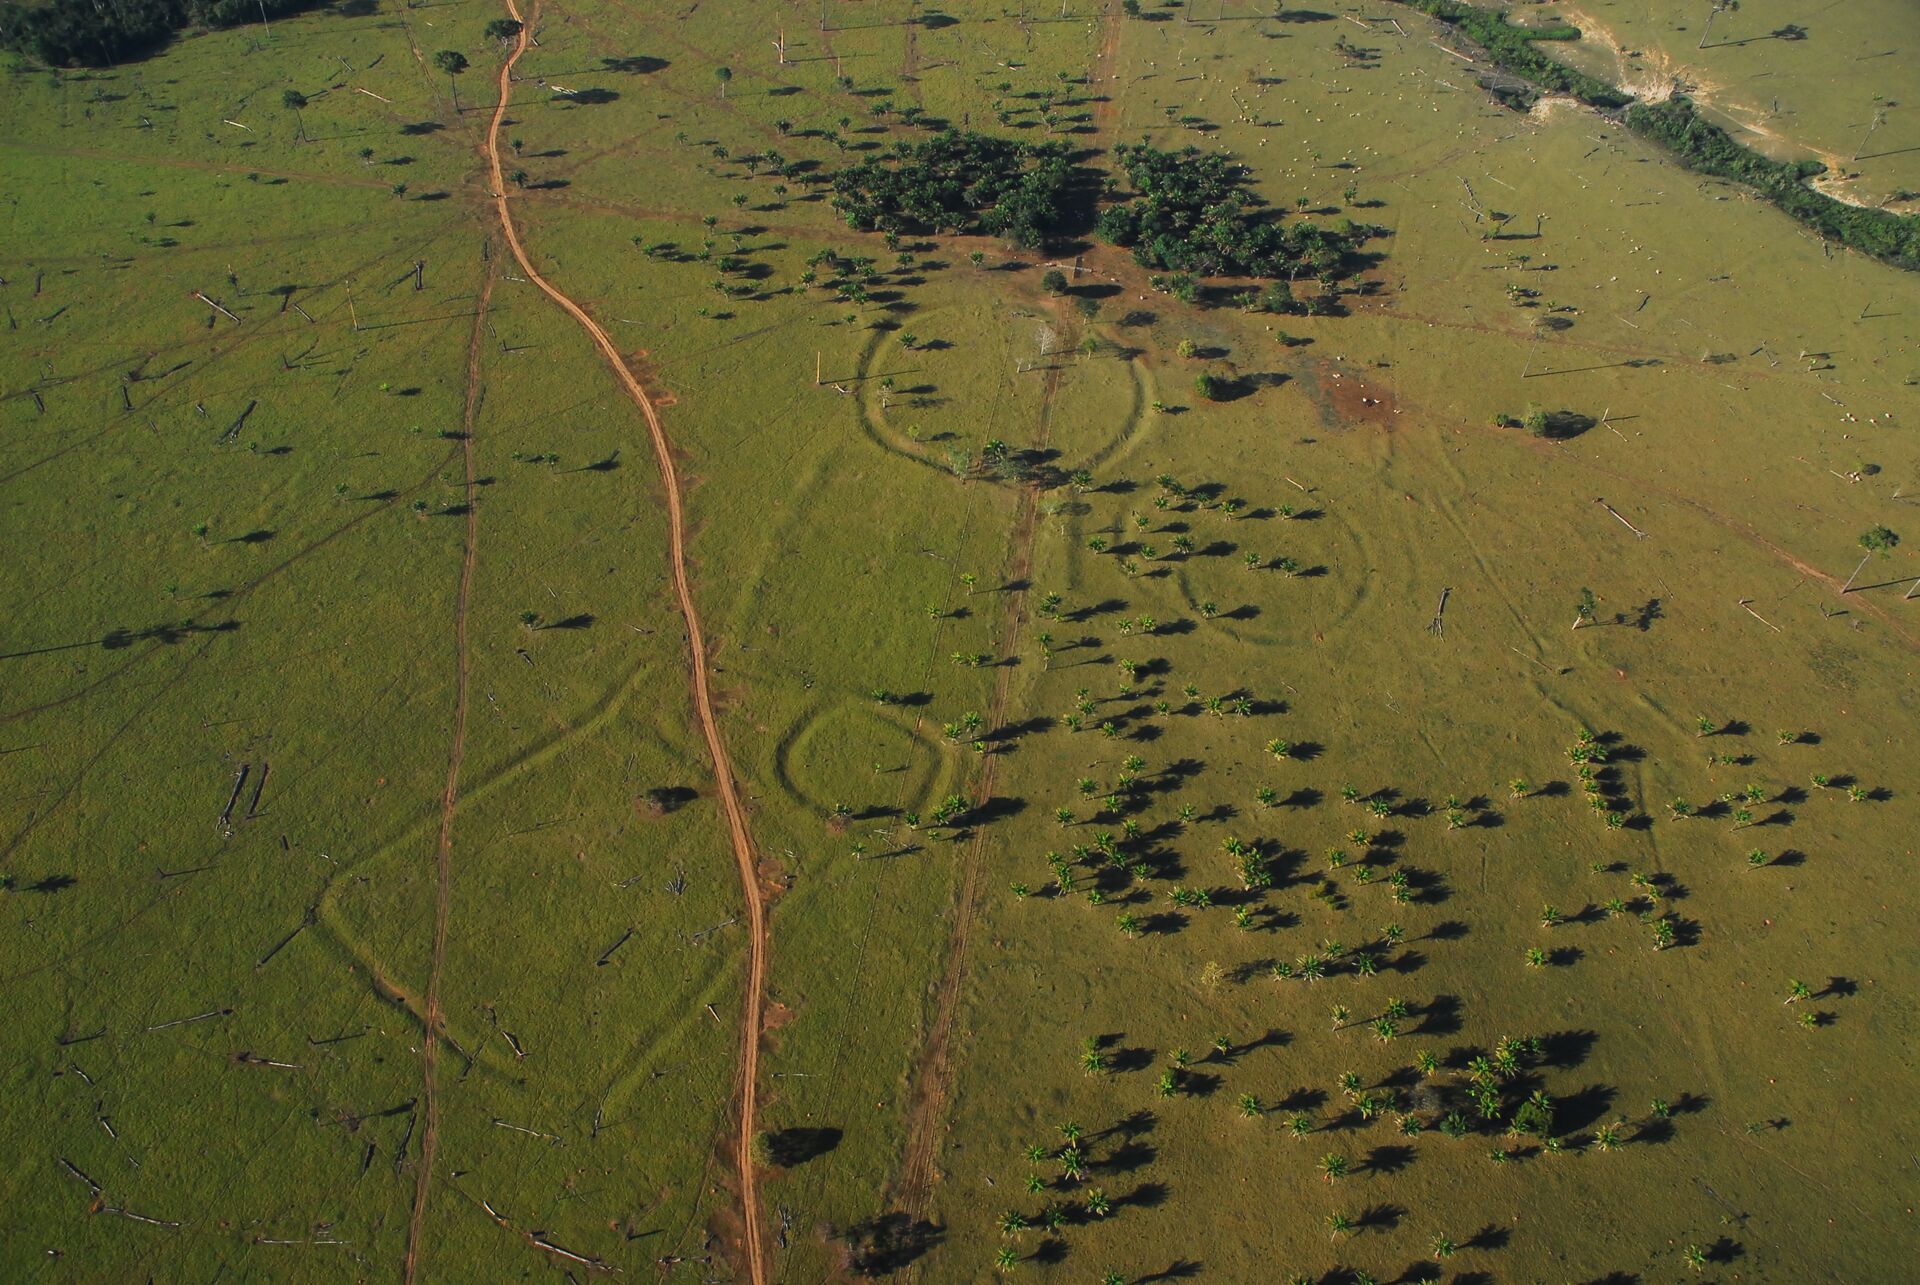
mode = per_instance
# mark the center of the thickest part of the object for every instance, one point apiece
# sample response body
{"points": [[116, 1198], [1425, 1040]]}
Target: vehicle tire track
{"points": [[932, 1080], [933, 1077], [432, 1017]]}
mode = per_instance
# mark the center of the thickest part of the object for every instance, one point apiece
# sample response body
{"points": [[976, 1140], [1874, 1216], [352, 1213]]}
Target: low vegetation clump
{"points": [[958, 182], [1190, 213]]}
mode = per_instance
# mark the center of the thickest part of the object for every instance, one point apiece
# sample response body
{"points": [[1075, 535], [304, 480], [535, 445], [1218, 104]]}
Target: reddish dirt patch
{"points": [[1350, 398], [640, 363]]}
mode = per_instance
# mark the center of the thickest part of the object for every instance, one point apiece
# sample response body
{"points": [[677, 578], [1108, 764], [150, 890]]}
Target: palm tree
{"points": [[1797, 990], [1584, 609], [1011, 1223], [1005, 1259], [723, 75], [295, 101], [453, 62], [1333, 1165]]}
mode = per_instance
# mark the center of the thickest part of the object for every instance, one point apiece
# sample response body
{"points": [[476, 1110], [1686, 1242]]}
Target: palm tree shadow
{"points": [[1148, 1195]]}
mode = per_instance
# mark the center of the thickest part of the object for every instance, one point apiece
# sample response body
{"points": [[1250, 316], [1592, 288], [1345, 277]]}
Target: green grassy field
{"points": [[242, 541]]}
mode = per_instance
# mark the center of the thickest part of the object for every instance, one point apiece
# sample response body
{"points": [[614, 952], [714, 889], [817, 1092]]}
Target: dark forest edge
{"points": [[1700, 145], [1188, 213], [1703, 146], [82, 33], [1511, 48]]}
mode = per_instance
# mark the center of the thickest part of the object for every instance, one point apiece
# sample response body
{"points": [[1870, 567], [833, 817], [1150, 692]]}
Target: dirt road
{"points": [[742, 843]]}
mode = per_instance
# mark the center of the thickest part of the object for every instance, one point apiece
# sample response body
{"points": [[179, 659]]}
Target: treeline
{"points": [[96, 33], [1190, 213], [1704, 146], [959, 181], [1512, 48], [1700, 144]]}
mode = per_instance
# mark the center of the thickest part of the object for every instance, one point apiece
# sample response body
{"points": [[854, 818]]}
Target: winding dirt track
{"points": [[742, 842], [432, 1017]]}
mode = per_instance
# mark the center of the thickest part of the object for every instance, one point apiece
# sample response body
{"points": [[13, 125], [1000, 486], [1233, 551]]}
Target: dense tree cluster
{"points": [[94, 33], [1511, 47], [1191, 214], [1706, 147], [958, 181]]}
